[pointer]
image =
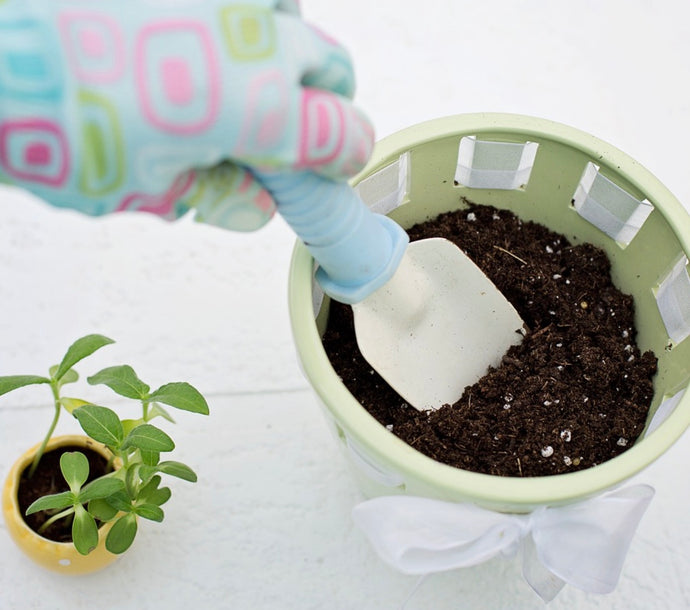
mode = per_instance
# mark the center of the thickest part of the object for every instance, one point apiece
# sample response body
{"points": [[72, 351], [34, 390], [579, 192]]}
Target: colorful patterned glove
{"points": [[167, 105]]}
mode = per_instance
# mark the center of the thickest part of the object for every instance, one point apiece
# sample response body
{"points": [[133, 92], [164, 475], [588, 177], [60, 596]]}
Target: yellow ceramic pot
{"points": [[58, 556]]}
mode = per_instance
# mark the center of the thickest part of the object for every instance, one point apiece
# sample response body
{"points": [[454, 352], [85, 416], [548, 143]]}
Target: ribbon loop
{"points": [[417, 535]]}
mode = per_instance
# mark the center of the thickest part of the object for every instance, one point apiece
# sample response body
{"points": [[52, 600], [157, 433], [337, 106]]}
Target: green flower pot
{"points": [[574, 184]]}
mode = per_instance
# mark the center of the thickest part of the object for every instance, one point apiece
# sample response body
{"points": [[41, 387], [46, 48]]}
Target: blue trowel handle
{"points": [[357, 250]]}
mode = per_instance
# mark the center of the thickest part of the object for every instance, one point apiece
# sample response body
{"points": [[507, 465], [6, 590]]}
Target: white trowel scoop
{"points": [[427, 319]]}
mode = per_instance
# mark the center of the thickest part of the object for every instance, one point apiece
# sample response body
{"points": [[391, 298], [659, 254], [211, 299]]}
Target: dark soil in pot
{"points": [[574, 394], [49, 480]]}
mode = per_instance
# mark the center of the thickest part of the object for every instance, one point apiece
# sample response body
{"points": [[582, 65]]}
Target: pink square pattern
{"points": [[156, 84], [44, 153], [94, 46]]}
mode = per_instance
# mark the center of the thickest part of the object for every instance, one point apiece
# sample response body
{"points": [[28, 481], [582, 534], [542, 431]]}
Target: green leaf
{"points": [[101, 424], [181, 395], [150, 511], [12, 382], [75, 468], [70, 376], [121, 535], [131, 483], [71, 404], [123, 380], [79, 350], [157, 411], [150, 458], [84, 531], [102, 510], [146, 472], [129, 424], [120, 501], [52, 502], [160, 496], [149, 438], [149, 487], [101, 488], [151, 494], [177, 469]]}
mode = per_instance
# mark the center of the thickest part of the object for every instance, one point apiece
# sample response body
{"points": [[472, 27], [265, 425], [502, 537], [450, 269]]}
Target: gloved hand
{"points": [[166, 105]]}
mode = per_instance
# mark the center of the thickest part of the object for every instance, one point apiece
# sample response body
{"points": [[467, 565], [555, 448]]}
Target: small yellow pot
{"points": [[61, 557]]}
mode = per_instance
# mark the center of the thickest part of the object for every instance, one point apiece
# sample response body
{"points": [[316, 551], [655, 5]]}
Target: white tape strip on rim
{"points": [[484, 164], [608, 207], [673, 300]]}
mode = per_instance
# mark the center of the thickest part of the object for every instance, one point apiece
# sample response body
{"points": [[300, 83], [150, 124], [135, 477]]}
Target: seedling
{"points": [[58, 376], [133, 489], [75, 468]]}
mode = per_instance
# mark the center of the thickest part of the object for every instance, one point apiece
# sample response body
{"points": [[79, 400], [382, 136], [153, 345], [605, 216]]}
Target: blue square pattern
{"points": [[29, 62]]}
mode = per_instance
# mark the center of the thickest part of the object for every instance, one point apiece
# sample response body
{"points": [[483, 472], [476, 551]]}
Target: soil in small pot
{"points": [[49, 480], [575, 393]]}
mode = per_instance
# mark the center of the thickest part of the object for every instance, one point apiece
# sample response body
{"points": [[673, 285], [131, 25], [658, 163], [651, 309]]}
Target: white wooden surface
{"points": [[267, 526]]}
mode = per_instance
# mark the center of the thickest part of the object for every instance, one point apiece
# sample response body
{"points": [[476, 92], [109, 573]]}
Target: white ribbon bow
{"points": [[582, 544]]}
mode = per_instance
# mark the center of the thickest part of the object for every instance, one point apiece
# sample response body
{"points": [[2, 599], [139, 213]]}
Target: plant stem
{"points": [[54, 518], [56, 416]]}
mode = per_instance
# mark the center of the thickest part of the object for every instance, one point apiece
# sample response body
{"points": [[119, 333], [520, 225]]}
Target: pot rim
{"points": [[450, 482], [10, 503]]}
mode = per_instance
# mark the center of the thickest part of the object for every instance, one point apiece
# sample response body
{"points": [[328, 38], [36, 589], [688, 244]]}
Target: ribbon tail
{"points": [[586, 544], [544, 582]]}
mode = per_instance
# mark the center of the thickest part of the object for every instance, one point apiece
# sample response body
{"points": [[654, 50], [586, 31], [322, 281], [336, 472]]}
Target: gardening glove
{"points": [[169, 105]]}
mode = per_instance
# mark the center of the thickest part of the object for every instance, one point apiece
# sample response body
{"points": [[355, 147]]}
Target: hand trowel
{"points": [[426, 317]]}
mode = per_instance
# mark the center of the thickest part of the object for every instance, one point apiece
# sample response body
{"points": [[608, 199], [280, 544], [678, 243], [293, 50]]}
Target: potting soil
{"points": [[47, 479], [575, 392]]}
